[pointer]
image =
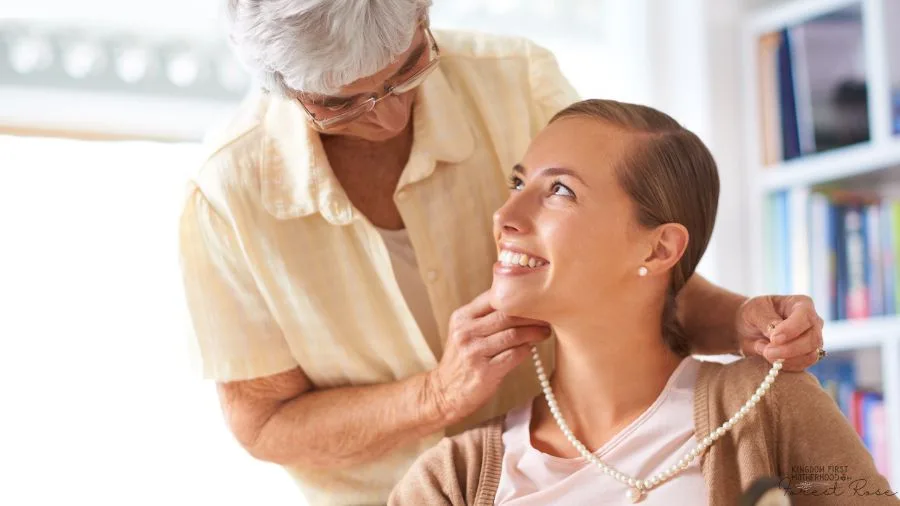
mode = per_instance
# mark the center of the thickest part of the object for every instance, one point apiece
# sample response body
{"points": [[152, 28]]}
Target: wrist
{"points": [[437, 410], [738, 343]]}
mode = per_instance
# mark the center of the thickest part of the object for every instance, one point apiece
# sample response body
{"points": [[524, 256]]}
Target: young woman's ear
{"points": [[668, 244]]}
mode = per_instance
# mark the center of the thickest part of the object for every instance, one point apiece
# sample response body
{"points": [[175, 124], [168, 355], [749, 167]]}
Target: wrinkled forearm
{"points": [[708, 315], [341, 427]]}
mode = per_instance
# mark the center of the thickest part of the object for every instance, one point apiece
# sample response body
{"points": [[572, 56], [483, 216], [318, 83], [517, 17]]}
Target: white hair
{"points": [[318, 46]]}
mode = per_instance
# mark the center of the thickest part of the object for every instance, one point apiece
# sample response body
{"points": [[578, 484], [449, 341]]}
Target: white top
{"points": [[406, 270], [650, 444]]}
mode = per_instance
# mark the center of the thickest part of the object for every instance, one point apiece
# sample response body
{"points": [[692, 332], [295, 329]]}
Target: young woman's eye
{"points": [[516, 183], [562, 190]]}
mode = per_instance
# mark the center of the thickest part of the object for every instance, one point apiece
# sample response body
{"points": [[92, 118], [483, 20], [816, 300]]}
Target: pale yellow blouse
{"points": [[281, 271]]}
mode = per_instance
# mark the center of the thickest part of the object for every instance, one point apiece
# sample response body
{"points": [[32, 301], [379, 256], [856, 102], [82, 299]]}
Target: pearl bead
{"points": [[639, 487], [633, 495]]}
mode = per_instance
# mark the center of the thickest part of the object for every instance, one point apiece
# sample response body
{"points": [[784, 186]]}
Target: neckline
{"points": [[620, 436]]}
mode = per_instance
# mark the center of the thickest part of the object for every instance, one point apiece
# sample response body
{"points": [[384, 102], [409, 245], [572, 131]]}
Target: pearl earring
{"points": [[642, 271]]}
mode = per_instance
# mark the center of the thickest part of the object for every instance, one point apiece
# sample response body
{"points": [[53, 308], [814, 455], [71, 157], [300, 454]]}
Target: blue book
{"points": [[856, 262], [889, 259], [874, 265], [790, 130], [897, 112], [837, 375], [869, 401]]}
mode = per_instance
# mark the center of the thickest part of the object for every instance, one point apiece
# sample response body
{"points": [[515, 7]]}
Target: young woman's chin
{"points": [[515, 300]]}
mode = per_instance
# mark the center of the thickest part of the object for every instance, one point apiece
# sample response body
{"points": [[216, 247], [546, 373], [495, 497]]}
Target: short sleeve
{"points": [[550, 90], [235, 336]]}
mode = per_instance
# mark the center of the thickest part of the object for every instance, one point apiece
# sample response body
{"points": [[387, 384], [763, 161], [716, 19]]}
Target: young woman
{"points": [[610, 212]]}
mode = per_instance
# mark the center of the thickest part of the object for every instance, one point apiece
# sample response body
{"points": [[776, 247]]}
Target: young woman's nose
{"points": [[513, 217]]}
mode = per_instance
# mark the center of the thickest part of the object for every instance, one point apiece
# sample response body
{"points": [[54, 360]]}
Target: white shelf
{"points": [[854, 334], [774, 18], [842, 163]]}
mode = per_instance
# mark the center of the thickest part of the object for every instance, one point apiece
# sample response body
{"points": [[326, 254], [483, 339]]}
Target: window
{"points": [[93, 350]]}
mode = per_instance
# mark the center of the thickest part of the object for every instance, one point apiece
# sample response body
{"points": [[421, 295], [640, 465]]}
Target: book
{"points": [[896, 107], [838, 246], [813, 86], [863, 407]]}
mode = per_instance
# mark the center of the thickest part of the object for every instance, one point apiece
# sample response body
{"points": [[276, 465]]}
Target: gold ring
{"points": [[820, 354]]}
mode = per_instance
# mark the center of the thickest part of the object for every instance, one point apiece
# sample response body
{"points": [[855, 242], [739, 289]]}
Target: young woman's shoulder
{"points": [[798, 426], [451, 472], [733, 384]]}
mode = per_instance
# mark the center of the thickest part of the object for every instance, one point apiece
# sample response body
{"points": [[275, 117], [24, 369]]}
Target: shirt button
{"points": [[432, 276]]}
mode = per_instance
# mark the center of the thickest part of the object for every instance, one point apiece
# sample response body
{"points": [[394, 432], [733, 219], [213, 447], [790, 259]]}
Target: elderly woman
{"points": [[343, 216], [611, 209]]}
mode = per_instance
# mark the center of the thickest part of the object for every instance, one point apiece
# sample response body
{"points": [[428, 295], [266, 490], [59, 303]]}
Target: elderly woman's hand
{"points": [[781, 327]]}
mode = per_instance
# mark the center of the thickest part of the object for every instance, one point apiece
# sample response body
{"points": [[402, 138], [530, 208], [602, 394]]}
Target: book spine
{"points": [[874, 270]]}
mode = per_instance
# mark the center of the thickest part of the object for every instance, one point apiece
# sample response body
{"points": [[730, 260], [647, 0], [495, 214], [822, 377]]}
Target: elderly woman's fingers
{"points": [[807, 343], [799, 317], [800, 363]]}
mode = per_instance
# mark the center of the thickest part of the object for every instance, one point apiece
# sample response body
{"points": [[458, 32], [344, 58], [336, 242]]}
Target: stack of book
{"points": [[813, 86], [864, 408], [840, 247]]}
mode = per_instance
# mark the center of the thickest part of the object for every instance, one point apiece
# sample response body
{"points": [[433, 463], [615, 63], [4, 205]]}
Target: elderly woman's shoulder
{"points": [[471, 44]]}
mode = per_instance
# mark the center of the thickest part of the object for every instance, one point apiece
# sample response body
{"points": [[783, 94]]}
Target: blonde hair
{"points": [[671, 177]]}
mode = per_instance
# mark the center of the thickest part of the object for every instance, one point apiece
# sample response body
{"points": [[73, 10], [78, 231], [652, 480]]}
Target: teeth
{"points": [[510, 258]]}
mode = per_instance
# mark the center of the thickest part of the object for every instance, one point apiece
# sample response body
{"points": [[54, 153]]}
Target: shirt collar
{"points": [[297, 179]]}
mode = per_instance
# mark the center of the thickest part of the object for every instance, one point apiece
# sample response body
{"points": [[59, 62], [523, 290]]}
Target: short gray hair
{"points": [[318, 46]]}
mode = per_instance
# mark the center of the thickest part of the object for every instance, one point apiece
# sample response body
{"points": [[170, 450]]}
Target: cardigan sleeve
{"points": [[820, 456], [446, 475]]}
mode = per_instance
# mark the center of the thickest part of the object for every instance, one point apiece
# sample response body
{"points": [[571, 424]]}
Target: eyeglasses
{"points": [[324, 116]]}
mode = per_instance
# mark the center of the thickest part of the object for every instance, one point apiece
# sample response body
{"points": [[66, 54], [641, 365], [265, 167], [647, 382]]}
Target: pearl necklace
{"points": [[638, 488]]}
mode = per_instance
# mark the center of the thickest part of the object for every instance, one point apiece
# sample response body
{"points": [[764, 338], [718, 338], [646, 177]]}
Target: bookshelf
{"points": [[821, 105]]}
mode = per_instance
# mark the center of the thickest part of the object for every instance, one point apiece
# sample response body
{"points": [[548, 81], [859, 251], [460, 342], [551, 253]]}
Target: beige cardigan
{"points": [[796, 429]]}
